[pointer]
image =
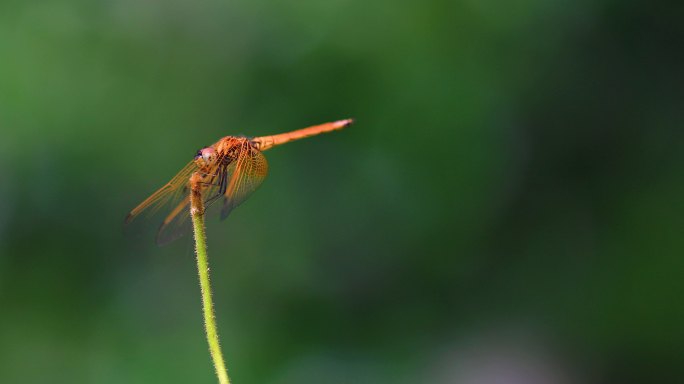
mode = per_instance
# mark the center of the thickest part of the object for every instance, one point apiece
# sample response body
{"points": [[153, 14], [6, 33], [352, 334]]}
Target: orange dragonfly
{"points": [[232, 168]]}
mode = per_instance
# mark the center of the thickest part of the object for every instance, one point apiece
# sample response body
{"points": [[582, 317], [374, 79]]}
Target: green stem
{"points": [[197, 213]]}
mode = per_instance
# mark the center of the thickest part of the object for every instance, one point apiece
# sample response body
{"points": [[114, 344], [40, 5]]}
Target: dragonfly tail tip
{"points": [[346, 122]]}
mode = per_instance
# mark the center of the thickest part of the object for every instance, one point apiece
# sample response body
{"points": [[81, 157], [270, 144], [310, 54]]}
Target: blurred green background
{"points": [[507, 207]]}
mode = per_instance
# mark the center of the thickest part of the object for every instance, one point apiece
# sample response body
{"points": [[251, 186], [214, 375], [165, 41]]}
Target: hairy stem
{"points": [[197, 213]]}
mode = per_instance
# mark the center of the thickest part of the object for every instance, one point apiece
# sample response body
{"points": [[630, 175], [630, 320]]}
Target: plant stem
{"points": [[197, 213]]}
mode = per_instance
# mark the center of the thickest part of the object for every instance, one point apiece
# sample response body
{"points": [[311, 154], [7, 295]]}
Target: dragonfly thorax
{"points": [[230, 148]]}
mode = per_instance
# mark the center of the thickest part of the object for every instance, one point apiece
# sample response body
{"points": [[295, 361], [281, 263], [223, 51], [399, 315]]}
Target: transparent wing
{"points": [[178, 222], [175, 196], [170, 194], [242, 177], [234, 181]]}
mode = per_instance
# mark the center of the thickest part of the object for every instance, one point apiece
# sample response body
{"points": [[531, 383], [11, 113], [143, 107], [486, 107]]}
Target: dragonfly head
{"points": [[206, 156]]}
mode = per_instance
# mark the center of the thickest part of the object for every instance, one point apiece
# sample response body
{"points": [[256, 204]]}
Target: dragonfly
{"points": [[230, 170]]}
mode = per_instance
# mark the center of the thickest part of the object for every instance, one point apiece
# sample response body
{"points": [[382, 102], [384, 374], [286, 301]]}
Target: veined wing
{"points": [[178, 222], [243, 176], [170, 194], [174, 195], [234, 181]]}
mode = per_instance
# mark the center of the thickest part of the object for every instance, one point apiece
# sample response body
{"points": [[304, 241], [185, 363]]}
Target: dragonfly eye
{"points": [[207, 154]]}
